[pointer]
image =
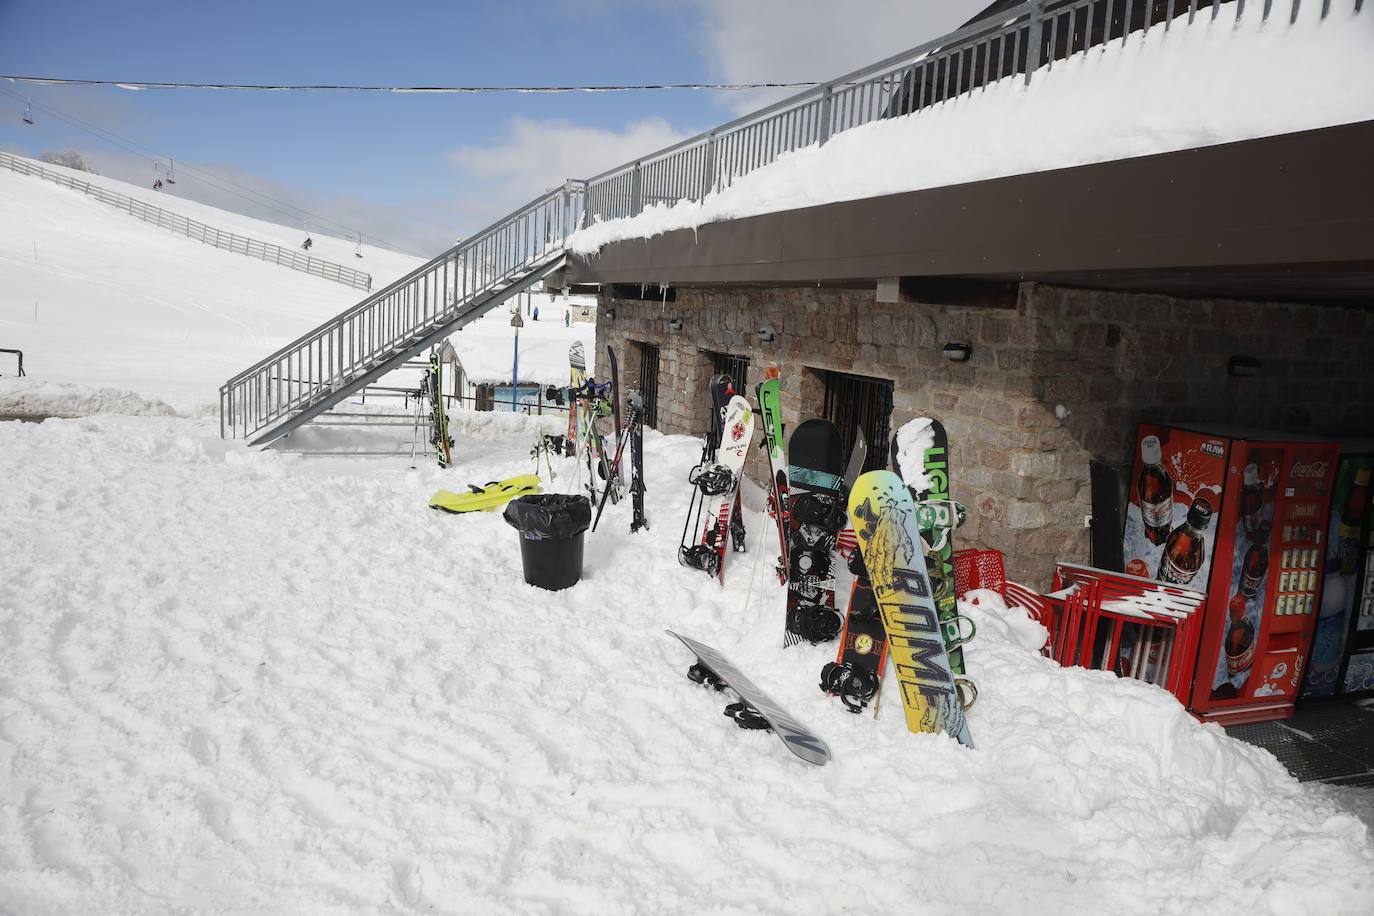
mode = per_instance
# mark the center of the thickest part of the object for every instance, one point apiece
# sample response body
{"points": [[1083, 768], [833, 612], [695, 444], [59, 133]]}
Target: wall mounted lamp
{"points": [[958, 351], [767, 334], [610, 314], [675, 324], [1242, 366]]}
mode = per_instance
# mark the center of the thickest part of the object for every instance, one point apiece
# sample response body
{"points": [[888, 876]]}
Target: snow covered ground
{"points": [[236, 681], [1194, 85]]}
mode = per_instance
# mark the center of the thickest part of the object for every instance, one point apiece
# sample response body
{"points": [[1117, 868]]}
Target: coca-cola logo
{"points": [[1314, 470]]}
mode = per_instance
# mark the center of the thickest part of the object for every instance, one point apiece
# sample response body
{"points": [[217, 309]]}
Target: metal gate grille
{"points": [[737, 367], [648, 381], [855, 402]]}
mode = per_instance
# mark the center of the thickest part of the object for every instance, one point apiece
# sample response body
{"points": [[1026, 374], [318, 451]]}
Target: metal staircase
{"points": [[359, 346]]}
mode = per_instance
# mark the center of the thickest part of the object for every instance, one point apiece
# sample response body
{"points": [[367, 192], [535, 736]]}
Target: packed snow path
{"points": [[234, 681]]}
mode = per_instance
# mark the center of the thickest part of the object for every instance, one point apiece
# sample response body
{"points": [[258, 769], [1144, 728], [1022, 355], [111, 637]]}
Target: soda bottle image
{"points": [[1329, 637], [1185, 548], [1351, 516], [1256, 562], [1156, 491], [1252, 500]]}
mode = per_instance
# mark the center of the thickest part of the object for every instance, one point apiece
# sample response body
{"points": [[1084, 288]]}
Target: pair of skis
{"points": [[432, 396], [589, 401]]}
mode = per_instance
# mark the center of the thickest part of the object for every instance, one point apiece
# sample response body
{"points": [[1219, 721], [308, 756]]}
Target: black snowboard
{"points": [[816, 513]]}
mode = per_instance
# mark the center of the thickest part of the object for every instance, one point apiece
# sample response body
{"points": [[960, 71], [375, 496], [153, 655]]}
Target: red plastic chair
{"points": [[986, 569]]}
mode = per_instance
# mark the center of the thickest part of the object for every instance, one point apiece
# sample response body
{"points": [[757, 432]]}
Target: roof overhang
{"points": [[1285, 217]]}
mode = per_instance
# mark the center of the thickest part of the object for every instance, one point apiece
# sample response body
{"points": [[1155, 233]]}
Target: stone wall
{"points": [[1061, 379]]}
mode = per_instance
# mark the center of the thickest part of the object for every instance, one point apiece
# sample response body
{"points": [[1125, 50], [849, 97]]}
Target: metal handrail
{"points": [[19, 354], [1022, 39], [477, 274], [194, 229], [320, 367]]}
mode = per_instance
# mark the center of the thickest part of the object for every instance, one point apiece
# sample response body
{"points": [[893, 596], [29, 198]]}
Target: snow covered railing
{"points": [[1018, 42], [325, 365], [194, 229]]}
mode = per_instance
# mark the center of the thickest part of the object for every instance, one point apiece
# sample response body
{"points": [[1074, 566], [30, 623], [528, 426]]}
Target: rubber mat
{"points": [[1327, 742]]}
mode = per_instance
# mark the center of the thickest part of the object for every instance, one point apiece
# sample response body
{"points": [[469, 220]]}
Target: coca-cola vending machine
{"points": [[1343, 645], [1239, 515]]}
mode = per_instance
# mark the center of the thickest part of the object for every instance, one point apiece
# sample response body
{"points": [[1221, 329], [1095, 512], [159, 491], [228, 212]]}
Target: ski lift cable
{"points": [[223, 184], [462, 90]]}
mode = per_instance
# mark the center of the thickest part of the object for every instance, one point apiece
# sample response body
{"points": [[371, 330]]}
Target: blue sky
{"points": [[416, 170]]}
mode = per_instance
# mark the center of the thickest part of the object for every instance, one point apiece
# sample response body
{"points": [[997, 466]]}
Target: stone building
{"points": [[1191, 298]]}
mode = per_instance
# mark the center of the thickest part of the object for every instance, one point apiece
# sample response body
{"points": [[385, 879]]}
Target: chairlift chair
{"points": [[171, 171], [28, 113]]}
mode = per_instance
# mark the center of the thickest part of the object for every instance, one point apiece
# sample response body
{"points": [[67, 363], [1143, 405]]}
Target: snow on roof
{"points": [[1193, 85], [486, 347]]}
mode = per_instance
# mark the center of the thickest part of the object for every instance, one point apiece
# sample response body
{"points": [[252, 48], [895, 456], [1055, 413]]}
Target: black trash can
{"points": [[551, 529]]}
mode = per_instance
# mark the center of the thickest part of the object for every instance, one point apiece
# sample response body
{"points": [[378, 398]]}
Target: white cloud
{"points": [[797, 40], [540, 155]]}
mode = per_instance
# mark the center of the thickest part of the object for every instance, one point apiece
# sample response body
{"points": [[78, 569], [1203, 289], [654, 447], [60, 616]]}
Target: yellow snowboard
{"points": [[492, 496]]}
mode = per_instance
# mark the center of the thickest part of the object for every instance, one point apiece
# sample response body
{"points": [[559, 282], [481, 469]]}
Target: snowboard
{"points": [[815, 515], [755, 709], [768, 394], [480, 499], [856, 674], [884, 518], [932, 487], [720, 487]]}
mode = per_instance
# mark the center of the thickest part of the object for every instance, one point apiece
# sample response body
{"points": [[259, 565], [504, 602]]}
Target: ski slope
{"points": [[384, 265], [96, 298]]}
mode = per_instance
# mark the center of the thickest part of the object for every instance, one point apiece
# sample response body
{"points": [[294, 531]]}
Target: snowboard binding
{"points": [[823, 512], [712, 480], [746, 716], [700, 556], [705, 677], [737, 536], [853, 685], [815, 623]]}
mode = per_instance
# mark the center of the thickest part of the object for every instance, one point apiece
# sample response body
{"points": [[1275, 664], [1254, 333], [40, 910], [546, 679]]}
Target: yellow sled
{"points": [[492, 496]]}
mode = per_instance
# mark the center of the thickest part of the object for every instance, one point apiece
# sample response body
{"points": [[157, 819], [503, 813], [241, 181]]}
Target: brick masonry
{"points": [[1061, 379]]}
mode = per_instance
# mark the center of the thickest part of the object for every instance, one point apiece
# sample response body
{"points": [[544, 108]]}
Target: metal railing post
{"points": [[1037, 13], [827, 103], [636, 191], [708, 166]]}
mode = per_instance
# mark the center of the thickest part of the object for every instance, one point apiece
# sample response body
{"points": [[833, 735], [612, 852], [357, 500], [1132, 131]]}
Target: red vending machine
{"points": [[1241, 516]]}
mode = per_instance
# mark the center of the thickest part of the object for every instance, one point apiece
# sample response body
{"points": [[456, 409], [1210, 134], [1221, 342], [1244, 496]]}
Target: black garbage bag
{"points": [[549, 516]]}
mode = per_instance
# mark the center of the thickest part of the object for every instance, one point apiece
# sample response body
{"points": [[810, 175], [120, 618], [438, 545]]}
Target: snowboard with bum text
{"points": [[933, 478], [755, 709], [815, 515], [884, 518]]}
